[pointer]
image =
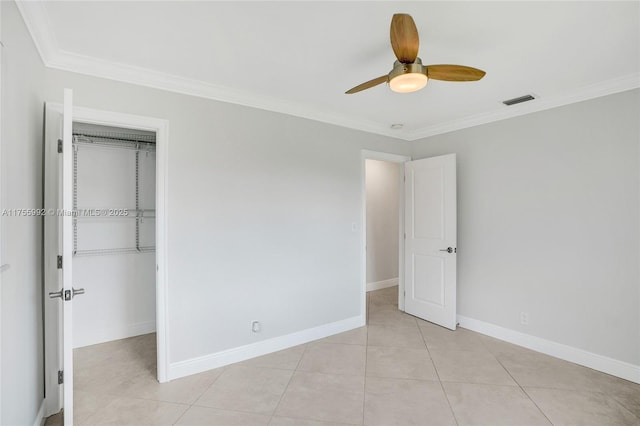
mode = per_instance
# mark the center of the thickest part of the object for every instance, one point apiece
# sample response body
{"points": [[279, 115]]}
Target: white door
{"points": [[59, 242], [430, 239]]}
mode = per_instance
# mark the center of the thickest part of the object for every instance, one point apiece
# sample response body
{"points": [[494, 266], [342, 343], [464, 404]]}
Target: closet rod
{"points": [[99, 252], [109, 218], [143, 139], [118, 144]]}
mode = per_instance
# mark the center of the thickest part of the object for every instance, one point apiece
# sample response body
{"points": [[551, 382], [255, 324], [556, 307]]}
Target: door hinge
{"points": [[59, 262], [60, 377], [59, 146]]}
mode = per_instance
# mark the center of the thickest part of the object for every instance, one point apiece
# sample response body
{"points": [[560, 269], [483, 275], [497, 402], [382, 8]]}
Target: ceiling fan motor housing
{"points": [[399, 68]]}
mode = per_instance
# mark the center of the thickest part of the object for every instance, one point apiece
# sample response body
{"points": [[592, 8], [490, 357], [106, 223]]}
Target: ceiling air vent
{"points": [[518, 100]]}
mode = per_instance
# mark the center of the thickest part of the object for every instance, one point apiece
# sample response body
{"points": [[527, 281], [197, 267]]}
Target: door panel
{"points": [[430, 221], [52, 248], [67, 255], [427, 196], [428, 269]]}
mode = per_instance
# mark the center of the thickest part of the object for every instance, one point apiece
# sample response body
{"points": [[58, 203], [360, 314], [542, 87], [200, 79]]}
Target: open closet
{"points": [[104, 180], [113, 233]]}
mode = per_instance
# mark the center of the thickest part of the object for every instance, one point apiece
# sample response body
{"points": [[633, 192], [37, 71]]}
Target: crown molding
{"points": [[35, 17], [604, 88], [37, 22], [125, 73]]}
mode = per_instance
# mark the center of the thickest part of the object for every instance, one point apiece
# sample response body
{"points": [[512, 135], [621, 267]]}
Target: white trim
{"points": [[384, 156], [36, 20], [40, 418], [365, 155], [159, 80], [162, 255], [3, 267], [604, 88], [598, 362], [107, 334], [379, 285], [241, 353]]}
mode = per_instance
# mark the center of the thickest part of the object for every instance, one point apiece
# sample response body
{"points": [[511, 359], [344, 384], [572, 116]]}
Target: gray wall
{"points": [[382, 190], [548, 223], [22, 123], [260, 213]]}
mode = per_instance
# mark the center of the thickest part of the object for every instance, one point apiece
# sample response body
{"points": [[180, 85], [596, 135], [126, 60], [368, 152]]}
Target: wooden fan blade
{"points": [[369, 84], [454, 73], [404, 38]]}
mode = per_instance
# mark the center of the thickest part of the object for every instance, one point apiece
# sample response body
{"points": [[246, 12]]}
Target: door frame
{"points": [[392, 158], [3, 267], [161, 129]]}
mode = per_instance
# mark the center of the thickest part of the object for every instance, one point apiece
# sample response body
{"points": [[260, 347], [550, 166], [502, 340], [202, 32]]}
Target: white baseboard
{"points": [[602, 363], [379, 285], [220, 359], [108, 334], [40, 419]]}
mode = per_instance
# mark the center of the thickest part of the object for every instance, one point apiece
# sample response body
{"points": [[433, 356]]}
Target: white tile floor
{"points": [[398, 370]]}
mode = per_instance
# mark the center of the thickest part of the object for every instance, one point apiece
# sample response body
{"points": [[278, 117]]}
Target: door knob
{"points": [[448, 249], [65, 295], [54, 294]]}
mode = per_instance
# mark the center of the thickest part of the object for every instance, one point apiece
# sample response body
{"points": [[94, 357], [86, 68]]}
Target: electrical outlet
{"points": [[256, 326], [524, 318], [354, 227]]}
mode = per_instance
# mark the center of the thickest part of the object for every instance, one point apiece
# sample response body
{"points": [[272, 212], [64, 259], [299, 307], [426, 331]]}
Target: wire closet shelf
{"points": [[140, 144]]}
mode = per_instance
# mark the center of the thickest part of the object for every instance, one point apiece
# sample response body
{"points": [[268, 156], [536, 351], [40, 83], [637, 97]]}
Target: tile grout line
{"points": [[294, 371], [182, 415], [623, 406], [253, 412], [231, 410], [364, 386], [424, 339], [536, 405], [193, 404], [521, 388], [602, 394]]}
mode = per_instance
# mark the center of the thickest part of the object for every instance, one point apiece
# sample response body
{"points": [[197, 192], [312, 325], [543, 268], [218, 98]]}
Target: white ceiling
{"points": [[300, 57]]}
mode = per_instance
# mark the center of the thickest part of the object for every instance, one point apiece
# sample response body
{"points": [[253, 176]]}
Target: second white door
{"points": [[430, 239]]}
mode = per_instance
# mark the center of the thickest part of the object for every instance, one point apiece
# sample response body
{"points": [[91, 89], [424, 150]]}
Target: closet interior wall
{"points": [[114, 233]]}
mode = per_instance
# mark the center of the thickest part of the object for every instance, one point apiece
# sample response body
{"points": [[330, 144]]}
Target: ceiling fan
{"points": [[408, 73]]}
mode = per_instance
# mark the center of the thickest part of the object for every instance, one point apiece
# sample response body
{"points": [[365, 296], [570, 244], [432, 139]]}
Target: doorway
{"points": [[119, 177], [383, 219], [382, 231], [113, 233], [427, 231]]}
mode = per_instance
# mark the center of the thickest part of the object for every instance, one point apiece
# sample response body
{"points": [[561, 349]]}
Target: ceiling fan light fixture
{"points": [[409, 82], [408, 74], [407, 78]]}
